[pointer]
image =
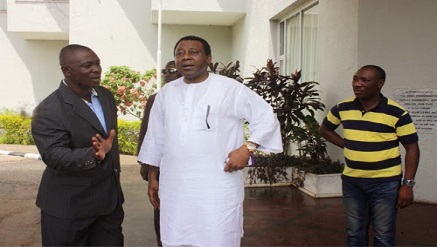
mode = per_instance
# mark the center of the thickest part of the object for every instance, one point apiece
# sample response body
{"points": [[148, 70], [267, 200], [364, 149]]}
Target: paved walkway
{"points": [[273, 216]]}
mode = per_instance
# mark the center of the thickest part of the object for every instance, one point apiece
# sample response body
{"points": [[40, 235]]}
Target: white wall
{"points": [[46, 20], [29, 69], [401, 37], [254, 38], [121, 33], [218, 37], [338, 51]]}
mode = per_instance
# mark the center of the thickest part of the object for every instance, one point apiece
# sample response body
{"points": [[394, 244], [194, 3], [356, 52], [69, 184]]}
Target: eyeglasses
{"points": [[169, 71]]}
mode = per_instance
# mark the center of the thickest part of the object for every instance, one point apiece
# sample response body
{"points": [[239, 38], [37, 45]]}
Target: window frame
{"points": [[3, 5], [283, 47]]}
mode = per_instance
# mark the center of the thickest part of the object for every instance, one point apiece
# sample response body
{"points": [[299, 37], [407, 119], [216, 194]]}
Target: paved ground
{"points": [[20, 219], [280, 216]]}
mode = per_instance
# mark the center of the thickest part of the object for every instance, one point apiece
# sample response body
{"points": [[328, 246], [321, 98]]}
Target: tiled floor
{"points": [[284, 216]]}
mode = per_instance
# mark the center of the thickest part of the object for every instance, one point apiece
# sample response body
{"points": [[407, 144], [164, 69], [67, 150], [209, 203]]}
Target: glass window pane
{"points": [[309, 44], [293, 46], [281, 38], [281, 67], [3, 5]]}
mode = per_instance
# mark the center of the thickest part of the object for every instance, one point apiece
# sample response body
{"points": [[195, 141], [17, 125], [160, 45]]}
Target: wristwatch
{"points": [[250, 146], [408, 183]]}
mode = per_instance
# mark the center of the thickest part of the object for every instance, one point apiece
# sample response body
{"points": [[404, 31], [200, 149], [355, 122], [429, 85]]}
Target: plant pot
{"points": [[322, 186]]}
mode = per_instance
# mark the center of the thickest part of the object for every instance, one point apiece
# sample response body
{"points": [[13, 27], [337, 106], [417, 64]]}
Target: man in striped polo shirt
{"points": [[373, 126]]}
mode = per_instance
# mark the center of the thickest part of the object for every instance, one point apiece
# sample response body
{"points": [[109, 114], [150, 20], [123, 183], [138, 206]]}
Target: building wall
{"points": [[338, 46], [218, 37], [121, 33], [254, 38], [400, 36], [47, 20], [29, 69]]}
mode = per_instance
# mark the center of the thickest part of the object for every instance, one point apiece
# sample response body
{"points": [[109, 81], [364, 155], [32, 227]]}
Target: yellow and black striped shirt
{"points": [[371, 139]]}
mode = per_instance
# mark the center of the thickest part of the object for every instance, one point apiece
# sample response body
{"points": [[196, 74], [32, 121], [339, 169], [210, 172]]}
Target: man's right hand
{"points": [[102, 146], [153, 186]]}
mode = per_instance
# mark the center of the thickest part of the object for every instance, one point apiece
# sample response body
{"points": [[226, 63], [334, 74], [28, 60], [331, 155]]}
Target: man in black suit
{"points": [[74, 130]]}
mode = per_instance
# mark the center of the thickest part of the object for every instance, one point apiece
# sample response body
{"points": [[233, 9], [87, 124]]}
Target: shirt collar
{"points": [[382, 103], [93, 90]]}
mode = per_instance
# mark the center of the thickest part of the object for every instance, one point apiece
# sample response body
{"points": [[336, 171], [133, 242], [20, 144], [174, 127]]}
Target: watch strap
{"points": [[409, 182]]}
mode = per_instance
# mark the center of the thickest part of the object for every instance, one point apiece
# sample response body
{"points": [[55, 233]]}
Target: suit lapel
{"points": [[106, 109], [81, 108]]}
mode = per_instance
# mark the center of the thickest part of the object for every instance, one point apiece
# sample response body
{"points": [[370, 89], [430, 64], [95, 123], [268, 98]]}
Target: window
{"points": [[3, 5], [298, 42]]}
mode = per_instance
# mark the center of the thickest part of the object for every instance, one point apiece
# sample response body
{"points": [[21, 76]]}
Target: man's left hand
{"points": [[405, 197]]}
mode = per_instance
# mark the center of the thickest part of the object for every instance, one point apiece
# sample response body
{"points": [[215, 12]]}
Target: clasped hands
{"points": [[102, 146]]}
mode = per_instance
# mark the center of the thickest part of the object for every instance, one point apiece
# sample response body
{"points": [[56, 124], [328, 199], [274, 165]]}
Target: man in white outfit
{"points": [[196, 140]]}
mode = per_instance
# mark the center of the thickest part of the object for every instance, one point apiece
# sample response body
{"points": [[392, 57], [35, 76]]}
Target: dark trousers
{"points": [[156, 219], [370, 202], [104, 230]]}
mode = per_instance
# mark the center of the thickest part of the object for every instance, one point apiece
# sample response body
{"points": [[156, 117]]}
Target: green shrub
{"points": [[128, 136], [271, 168], [15, 128]]}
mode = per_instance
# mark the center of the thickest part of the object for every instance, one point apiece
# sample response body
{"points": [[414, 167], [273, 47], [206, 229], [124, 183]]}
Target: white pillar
{"points": [[158, 53]]}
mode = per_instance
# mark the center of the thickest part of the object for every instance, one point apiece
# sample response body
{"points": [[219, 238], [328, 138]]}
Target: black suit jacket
{"points": [[145, 121], [143, 131], [73, 184]]}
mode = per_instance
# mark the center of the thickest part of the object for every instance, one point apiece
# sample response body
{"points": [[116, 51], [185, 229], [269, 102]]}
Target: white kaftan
{"points": [[192, 128]]}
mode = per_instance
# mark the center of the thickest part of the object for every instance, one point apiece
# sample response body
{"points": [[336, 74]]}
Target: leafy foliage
{"points": [[231, 70], [291, 100], [270, 168], [311, 143], [323, 166], [130, 88], [128, 136], [15, 128], [295, 104]]}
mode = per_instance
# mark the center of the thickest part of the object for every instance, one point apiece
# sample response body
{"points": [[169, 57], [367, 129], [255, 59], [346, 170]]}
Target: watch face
{"points": [[251, 146], [409, 183]]}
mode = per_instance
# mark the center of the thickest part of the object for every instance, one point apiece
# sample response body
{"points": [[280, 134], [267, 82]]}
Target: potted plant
{"points": [[291, 100], [316, 174], [294, 104]]}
